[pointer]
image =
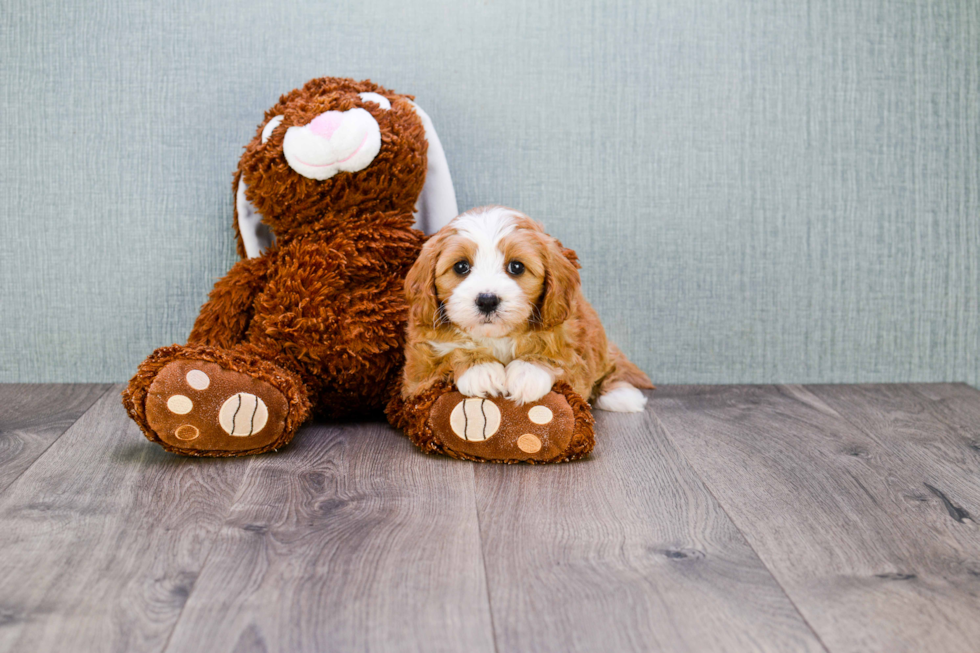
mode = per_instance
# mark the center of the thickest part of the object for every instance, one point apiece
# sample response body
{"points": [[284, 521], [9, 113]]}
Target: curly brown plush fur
{"points": [[320, 315]]}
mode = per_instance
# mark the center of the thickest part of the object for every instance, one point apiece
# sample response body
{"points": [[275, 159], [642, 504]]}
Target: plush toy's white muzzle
{"points": [[335, 141], [348, 141]]}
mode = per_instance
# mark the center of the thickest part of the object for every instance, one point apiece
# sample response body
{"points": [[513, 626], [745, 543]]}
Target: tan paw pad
{"points": [[475, 419], [198, 380], [187, 432], [180, 405], [243, 414], [540, 415], [529, 443]]}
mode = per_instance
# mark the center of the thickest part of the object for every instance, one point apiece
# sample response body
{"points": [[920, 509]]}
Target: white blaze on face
{"points": [[487, 275], [334, 141]]}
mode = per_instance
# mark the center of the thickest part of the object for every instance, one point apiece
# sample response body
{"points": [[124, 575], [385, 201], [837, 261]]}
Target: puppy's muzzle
{"points": [[487, 302]]}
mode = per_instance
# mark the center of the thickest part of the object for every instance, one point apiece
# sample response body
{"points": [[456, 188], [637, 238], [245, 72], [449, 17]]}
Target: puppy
{"points": [[496, 304]]}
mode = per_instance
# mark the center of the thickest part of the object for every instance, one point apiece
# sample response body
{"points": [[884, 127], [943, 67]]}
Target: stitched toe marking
{"points": [[475, 419], [187, 432], [243, 414]]}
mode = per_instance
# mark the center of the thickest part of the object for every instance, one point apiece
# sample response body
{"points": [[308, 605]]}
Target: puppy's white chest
{"points": [[501, 348]]}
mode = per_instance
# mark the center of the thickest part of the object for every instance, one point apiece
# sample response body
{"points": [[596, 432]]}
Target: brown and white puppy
{"points": [[496, 305]]}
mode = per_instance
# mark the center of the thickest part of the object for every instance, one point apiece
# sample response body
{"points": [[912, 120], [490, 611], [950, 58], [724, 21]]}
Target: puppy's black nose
{"points": [[487, 302]]}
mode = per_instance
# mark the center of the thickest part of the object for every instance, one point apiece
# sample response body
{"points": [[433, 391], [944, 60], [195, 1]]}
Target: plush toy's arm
{"points": [[225, 317]]}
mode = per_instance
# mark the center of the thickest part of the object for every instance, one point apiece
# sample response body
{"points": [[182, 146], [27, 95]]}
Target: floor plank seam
{"points": [[925, 398], [207, 558], [955, 511], [483, 559], [741, 532], [51, 444], [861, 499]]}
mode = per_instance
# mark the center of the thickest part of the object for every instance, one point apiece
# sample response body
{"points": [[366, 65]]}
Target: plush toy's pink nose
{"points": [[326, 123]]}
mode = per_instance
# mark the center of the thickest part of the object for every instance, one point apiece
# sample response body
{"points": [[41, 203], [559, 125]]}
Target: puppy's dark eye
{"points": [[516, 268], [462, 268]]}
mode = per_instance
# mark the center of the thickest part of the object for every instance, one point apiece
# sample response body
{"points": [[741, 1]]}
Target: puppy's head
{"points": [[492, 272]]}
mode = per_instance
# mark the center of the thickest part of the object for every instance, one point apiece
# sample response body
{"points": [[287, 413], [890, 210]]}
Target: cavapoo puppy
{"points": [[496, 305]]}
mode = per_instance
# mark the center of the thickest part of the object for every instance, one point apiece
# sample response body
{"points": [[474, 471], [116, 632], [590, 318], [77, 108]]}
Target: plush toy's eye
{"points": [[380, 100], [462, 268], [270, 127], [516, 268]]}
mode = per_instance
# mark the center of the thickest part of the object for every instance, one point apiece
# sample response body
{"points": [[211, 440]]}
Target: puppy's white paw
{"points": [[527, 382], [621, 398], [485, 379]]}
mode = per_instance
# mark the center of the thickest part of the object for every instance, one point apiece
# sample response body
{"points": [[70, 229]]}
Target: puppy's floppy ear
{"points": [[569, 254], [420, 284], [561, 283]]}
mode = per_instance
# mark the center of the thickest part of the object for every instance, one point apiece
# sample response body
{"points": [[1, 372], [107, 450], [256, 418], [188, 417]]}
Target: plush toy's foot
{"points": [[556, 428], [203, 401]]}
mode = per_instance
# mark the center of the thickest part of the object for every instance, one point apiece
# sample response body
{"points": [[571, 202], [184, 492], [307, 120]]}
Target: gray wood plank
{"points": [[948, 391], [865, 550], [916, 432], [625, 551], [103, 537], [32, 416], [957, 405], [350, 540]]}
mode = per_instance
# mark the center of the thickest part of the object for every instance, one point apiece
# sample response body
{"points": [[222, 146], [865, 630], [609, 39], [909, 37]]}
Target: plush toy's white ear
{"points": [[256, 237], [436, 205]]}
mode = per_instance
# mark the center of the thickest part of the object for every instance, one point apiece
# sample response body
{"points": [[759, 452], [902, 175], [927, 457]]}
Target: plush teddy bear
{"points": [[312, 318]]}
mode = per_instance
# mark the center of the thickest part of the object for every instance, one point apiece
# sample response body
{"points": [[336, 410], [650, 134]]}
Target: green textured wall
{"points": [[759, 191]]}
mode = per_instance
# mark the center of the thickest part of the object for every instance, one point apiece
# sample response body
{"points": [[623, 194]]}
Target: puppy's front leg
{"points": [[527, 382], [482, 380]]}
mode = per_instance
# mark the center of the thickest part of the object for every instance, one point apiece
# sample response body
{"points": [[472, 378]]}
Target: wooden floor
{"points": [[725, 518]]}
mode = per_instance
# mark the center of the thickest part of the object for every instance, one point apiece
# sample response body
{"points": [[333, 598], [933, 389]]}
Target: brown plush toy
{"points": [[557, 428], [312, 318]]}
